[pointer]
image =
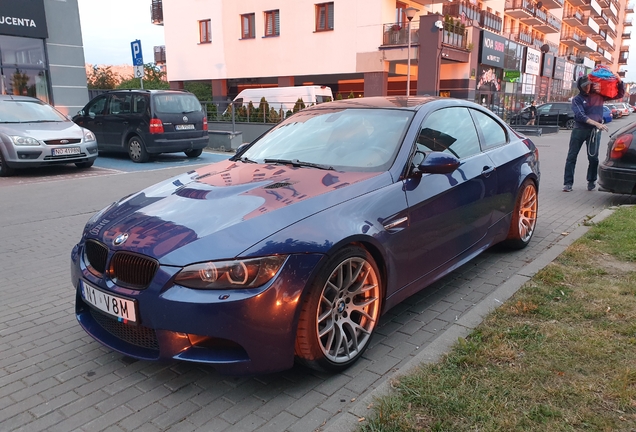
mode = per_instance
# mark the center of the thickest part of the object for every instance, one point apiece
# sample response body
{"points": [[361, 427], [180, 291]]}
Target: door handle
{"points": [[487, 171]]}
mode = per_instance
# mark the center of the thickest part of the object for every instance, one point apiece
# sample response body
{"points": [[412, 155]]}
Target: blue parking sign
{"points": [[137, 55]]}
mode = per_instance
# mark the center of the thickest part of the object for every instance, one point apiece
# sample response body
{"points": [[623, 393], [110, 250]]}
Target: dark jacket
{"points": [[590, 105]]}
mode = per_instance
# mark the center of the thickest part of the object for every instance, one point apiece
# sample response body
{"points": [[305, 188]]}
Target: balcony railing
{"points": [[523, 37], [490, 21], [462, 9], [622, 74], [156, 12], [397, 33], [455, 35]]}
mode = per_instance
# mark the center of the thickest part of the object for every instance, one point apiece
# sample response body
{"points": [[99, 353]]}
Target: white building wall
{"points": [[298, 51]]}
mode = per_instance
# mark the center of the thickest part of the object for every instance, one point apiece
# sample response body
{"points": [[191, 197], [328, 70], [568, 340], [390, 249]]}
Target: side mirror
{"points": [[80, 112], [438, 163], [242, 147]]}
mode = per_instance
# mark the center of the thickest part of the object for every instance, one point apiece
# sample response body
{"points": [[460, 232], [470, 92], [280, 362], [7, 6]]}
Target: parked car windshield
{"points": [[348, 140], [174, 103], [27, 111]]}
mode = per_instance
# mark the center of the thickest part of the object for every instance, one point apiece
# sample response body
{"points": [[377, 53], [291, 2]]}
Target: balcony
{"points": [[627, 22], [577, 3], [553, 4], [397, 34], [629, 8], [623, 57], [462, 8], [519, 9], [576, 59], [551, 24], [603, 3], [601, 20], [156, 12], [622, 74], [522, 37], [572, 38], [573, 18], [160, 55], [490, 21]]}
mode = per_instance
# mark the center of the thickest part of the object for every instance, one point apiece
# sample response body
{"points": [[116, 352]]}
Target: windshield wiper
{"points": [[41, 121], [246, 160], [297, 163]]}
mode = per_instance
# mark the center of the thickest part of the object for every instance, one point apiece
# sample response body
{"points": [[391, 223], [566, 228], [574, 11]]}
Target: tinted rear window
{"points": [[176, 103]]}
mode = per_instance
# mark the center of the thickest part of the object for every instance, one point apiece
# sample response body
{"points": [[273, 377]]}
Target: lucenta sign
{"points": [[23, 18]]}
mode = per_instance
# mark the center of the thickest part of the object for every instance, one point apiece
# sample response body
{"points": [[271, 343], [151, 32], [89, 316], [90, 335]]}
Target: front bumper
{"points": [[237, 332], [38, 156], [617, 180]]}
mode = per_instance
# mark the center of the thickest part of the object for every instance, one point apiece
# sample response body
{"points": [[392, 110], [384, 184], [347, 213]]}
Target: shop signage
{"points": [[492, 49], [548, 65], [559, 68], [513, 76], [533, 61], [23, 18]]}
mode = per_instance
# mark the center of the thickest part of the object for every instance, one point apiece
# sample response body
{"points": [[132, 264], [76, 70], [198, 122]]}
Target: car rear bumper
{"points": [[617, 180], [160, 144]]}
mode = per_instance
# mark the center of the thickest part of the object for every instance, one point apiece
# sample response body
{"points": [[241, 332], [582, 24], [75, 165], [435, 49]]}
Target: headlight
{"points": [[237, 274], [89, 136], [24, 141]]}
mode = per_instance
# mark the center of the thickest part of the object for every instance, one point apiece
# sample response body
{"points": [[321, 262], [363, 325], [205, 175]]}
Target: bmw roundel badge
{"points": [[120, 239]]}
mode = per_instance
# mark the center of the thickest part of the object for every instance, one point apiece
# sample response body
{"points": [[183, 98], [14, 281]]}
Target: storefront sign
{"points": [[559, 68], [492, 49], [512, 76], [23, 18], [548, 65], [533, 61]]}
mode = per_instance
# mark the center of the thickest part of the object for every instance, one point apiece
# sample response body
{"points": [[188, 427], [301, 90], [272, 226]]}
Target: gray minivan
{"points": [[146, 122]]}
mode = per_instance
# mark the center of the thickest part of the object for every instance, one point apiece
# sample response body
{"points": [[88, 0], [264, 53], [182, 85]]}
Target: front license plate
{"points": [[118, 307], [184, 127], [66, 151]]}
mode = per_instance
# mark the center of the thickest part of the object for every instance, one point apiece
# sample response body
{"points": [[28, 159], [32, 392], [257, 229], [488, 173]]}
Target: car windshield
{"points": [[28, 111], [175, 103], [349, 140]]}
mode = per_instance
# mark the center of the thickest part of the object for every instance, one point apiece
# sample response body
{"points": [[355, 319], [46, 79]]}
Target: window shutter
{"points": [[269, 24], [277, 18], [321, 18], [330, 16]]}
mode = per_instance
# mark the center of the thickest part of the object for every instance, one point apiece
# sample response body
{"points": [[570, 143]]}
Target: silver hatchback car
{"points": [[34, 134]]}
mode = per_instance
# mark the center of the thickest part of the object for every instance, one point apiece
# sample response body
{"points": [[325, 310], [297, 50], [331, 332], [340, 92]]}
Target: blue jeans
{"points": [[578, 137]]}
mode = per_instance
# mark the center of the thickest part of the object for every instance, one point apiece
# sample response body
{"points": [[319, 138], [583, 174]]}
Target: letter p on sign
{"points": [[137, 55]]}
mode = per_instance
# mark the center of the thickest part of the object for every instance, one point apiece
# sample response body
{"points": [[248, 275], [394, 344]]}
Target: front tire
{"points": [[341, 311], [524, 216], [570, 124], [5, 170], [137, 150]]}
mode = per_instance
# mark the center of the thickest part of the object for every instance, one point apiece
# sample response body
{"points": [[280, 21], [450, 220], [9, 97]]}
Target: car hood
{"points": [[221, 210], [43, 131]]}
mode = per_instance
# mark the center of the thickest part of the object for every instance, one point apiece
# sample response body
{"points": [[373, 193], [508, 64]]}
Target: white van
{"points": [[284, 97]]}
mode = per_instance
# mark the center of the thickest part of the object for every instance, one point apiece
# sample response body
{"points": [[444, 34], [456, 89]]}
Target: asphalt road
{"points": [[54, 377]]}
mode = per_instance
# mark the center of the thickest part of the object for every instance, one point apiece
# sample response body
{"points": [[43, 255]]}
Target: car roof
{"points": [[413, 103]]}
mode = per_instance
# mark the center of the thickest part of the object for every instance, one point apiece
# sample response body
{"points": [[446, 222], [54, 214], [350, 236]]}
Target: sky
{"points": [[108, 28]]}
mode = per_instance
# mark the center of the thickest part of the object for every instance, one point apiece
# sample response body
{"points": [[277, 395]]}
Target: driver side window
{"points": [[97, 107], [449, 130]]}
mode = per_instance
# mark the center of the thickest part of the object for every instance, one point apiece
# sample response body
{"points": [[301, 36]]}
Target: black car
{"points": [[617, 173], [145, 122], [548, 114]]}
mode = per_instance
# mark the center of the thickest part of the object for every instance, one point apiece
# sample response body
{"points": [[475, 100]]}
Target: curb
{"points": [[351, 418]]}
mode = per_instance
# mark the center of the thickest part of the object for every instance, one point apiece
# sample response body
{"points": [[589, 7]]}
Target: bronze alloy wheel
{"points": [[524, 216], [339, 316]]}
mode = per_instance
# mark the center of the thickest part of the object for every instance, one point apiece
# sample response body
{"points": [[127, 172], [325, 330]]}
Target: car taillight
{"points": [[156, 127], [620, 146], [205, 123]]}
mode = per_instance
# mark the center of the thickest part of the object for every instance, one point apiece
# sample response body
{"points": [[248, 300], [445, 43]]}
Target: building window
{"points": [[205, 31], [324, 16], [247, 26], [272, 23]]}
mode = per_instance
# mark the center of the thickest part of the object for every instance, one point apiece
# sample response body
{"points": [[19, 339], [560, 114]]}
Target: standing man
{"points": [[533, 113], [588, 116]]}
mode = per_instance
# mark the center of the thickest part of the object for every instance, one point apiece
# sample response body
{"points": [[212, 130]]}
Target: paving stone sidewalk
{"points": [[54, 377]]}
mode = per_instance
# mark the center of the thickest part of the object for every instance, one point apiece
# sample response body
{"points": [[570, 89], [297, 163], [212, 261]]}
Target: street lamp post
{"points": [[410, 13]]}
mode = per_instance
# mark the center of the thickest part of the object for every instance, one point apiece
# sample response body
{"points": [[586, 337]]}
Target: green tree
{"points": [[202, 90], [300, 104], [102, 78], [154, 79]]}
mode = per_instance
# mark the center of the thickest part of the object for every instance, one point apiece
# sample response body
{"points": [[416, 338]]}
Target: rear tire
{"points": [[193, 153], [5, 170], [137, 150], [524, 216], [84, 165], [341, 311], [570, 124]]}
